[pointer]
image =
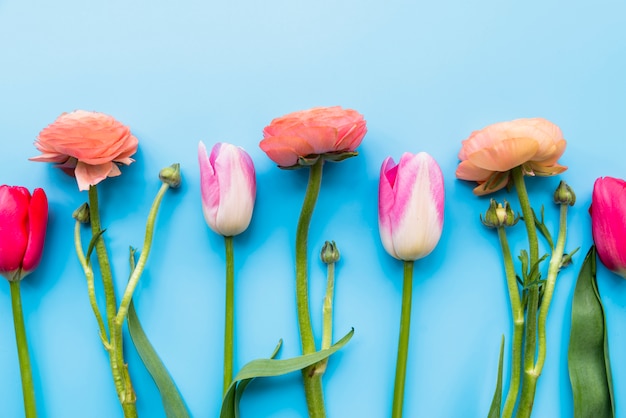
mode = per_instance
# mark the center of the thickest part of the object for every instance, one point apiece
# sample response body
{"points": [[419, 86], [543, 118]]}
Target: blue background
{"points": [[424, 75]]}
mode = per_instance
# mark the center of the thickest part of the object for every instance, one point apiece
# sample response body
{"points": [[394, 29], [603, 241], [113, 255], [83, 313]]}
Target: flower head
{"points": [[301, 138], [23, 220], [228, 187], [86, 145], [410, 206], [488, 155], [608, 222]]}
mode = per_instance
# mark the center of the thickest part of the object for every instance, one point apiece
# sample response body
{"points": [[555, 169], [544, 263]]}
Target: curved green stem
{"points": [[327, 309], [28, 389], [91, 289], [517, 314], [403, 341], [312, 380], [229, 327]]}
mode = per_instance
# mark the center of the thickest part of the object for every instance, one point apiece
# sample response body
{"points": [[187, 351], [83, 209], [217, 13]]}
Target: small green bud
{"points": [[564, 195], [498, 215], [82, 214], [171, 175], [330, 253]]}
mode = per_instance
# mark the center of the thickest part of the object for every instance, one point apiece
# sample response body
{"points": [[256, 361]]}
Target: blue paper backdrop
{"points": [[424, 74]]}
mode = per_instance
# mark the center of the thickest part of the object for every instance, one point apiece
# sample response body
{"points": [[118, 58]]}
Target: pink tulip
{"points": [[313, 132], [410, 206], [228, 186], [23, 221], [87, 145], [608, 222], [489, 154]]}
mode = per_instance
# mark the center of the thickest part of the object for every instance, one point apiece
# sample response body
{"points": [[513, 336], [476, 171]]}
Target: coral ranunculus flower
{"points": [[488, 155], [86, 145], [301, 138]]}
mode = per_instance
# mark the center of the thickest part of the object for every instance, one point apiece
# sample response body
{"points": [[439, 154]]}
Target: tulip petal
{"points": [[209, 186], [38, 220], [14, 204], [386, 199], [608, 222]]}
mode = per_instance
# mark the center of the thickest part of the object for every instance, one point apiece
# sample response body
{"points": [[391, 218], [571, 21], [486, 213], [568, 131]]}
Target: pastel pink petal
{"points": [[351, 139], [505, 154], [38, 220], [209, 187], [386, 200], [551, 154], [90, 175], [540, 169], [50, 158]]}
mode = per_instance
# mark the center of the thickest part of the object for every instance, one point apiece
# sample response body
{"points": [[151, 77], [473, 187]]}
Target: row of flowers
{"points": [[91, 146]]}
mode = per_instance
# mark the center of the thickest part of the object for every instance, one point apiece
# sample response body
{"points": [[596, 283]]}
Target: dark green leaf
{"points": [[588, 354], [270, 367], [494, 411]]}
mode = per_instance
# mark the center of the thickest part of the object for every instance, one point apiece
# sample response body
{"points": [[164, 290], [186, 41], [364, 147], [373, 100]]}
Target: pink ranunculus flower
{"points": [[608, 222], [23, 220], [410, 206], [228, 186], [87, 145], [302, 137], [489, 154]]}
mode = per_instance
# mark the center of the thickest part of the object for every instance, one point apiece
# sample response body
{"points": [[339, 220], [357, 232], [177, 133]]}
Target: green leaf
{"points": [[171, 398], [494, 411], [588, 354], [270, 367]]}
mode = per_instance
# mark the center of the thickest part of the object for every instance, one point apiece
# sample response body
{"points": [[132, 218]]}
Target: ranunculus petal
{"points": [[89, 175], [504, 155]]}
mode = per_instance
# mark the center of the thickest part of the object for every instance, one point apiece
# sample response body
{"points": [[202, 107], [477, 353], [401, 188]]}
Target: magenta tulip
{"points": [[608, 222], [228, 186], [23, 220], [410, 206]]}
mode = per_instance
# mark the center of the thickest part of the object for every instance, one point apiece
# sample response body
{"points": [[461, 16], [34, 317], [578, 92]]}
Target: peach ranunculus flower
{"points": [[489, 154], [301, 138], [86, 145]]}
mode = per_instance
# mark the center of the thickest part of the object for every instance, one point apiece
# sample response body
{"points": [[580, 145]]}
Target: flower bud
{"points": [[564, 195], [330, 253], [498, 215], [171, 175], [82, 214]]}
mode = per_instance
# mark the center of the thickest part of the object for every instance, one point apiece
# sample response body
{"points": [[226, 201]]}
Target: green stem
{"points": [[532, 286], [229, 328], [517, 314], [312, 380], [28, 390], [91, 289], [403, 341], [115, 348], [327, 309], [534, 371]]}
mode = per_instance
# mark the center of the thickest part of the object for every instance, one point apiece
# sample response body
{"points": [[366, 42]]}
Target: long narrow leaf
{"points": [[588, 355], [494, 411], [171, 398], [270, 367]]}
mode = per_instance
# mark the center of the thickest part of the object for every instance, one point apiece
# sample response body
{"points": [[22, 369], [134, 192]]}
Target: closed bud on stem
{"points": [[171, 175], [498, 215], [564, 195], [82, 214], [330, 252]]}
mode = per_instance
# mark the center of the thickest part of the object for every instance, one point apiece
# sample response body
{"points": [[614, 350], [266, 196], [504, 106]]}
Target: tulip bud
{"points": [[171, 175], [23, 221], [608, 222], [330, 253], [410, 206], [564, 194], [228, 187], [82, 214]]}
